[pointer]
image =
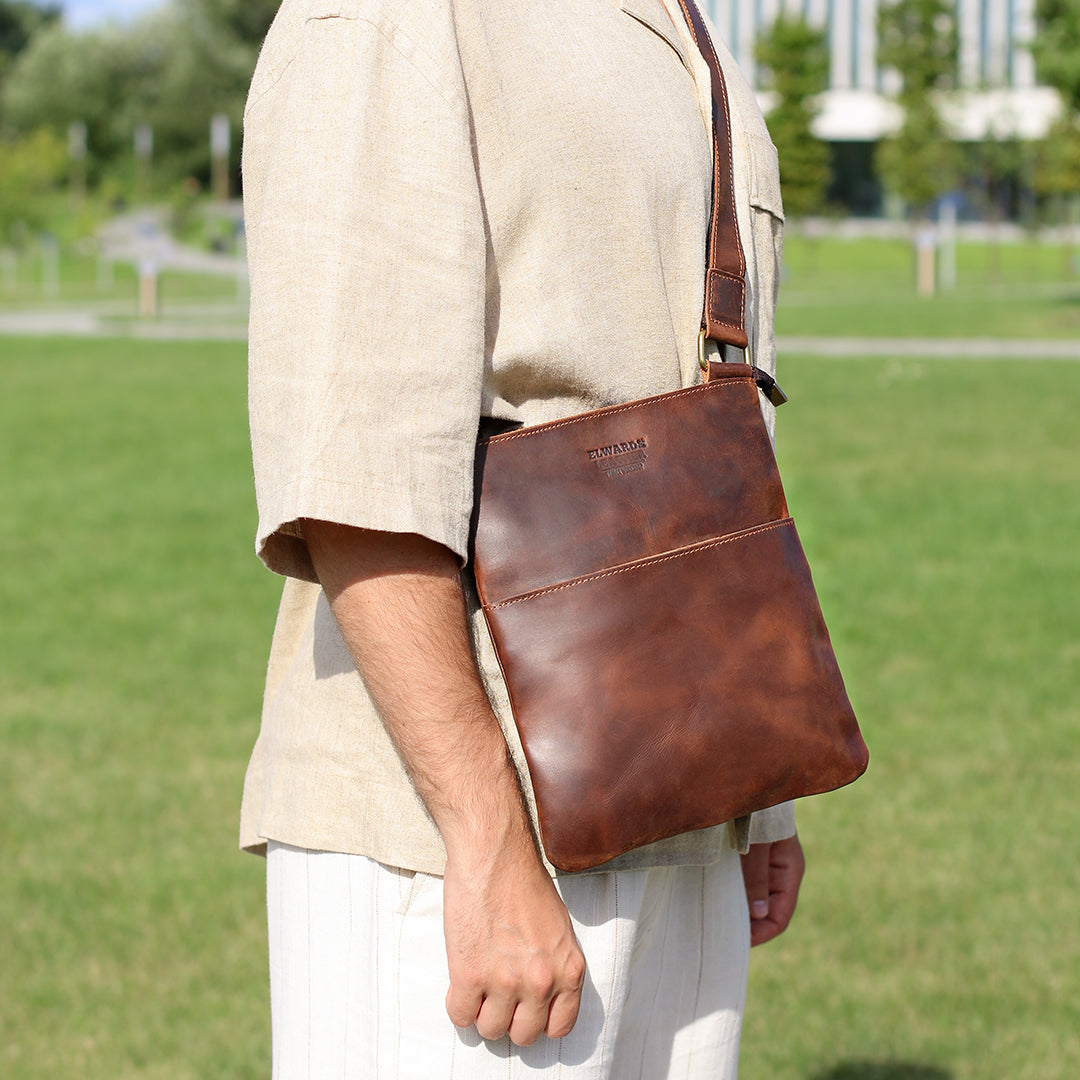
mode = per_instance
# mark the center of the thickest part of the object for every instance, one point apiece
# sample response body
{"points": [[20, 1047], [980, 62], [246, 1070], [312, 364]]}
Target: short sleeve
{"points": [[367, 255]]}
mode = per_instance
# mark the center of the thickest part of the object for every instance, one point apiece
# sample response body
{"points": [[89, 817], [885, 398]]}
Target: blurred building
{"points": [[998, 95]]}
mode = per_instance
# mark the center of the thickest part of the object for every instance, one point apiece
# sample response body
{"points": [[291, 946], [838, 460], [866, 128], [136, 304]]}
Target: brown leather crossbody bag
{"points": [[653, 613]]}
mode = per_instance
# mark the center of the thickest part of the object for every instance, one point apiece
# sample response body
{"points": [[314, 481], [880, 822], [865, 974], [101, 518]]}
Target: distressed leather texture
{"points": [[655, 620]]}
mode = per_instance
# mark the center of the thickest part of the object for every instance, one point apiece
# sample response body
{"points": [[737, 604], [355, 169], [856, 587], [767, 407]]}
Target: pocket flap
{"points": [[765, 176]]}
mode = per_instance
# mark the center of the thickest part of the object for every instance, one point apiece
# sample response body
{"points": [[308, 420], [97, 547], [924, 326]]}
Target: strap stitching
{"points": [[614, 410]]}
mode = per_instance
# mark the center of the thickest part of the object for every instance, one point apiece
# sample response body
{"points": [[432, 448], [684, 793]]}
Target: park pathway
{"points": [[206, 323], [223, 323], [962, 348]]}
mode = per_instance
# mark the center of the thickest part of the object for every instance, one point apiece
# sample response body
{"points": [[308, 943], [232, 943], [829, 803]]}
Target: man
{"points": [[457, 209]]}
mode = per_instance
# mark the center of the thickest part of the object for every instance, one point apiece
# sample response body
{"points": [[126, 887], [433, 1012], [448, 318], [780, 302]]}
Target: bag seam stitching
{"points": [[641, 564]]}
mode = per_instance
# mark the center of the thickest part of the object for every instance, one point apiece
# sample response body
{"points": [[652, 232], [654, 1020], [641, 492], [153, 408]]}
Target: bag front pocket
{"points": [[674, 693]]}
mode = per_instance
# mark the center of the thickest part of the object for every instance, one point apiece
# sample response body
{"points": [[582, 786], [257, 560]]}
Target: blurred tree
{"points": [[1056, 48], [32, 169], [1057, 160], [918, 40], [797, 58], [1057, 182], [171, 70], [96, 77], [205, 71], [19, 21], [245, 20]]}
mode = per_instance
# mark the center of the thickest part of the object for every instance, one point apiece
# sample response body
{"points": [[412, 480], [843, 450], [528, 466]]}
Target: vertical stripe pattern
{"points": [[358, 976]]}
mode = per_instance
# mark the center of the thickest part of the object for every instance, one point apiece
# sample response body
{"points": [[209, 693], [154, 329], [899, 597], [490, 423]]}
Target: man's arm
{"points": [[515, 965]]}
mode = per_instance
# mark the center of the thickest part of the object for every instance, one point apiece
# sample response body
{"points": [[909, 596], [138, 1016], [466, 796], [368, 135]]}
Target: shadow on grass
{"points": [[883, 1070]]}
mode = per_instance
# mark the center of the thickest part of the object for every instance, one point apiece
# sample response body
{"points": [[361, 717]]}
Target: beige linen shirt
{"points": [[459, 208]]}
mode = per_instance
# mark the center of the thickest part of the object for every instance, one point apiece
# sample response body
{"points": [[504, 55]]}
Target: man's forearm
{"points": [[514, 963], [398, 601]]}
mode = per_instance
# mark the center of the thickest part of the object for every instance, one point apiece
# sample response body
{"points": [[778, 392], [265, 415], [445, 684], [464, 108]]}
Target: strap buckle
{"points": [[765, 382]]}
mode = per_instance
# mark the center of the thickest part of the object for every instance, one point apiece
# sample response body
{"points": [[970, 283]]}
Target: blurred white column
{"points": [[866, 45], [968, 27], [50, 266], [77, 156], [997, 42], [144, 154], [1023, 32], [840, 45], [220, 144]]}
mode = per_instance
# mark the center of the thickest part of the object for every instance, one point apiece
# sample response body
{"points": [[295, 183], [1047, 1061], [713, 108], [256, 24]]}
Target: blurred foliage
{"points": [[797, 58], [177, 66], [19, 21], [918, 40], [1057, 160], [246, 20], [172, 70], [1056, 48], [31, 172], [99, 78], [1002, 166]]}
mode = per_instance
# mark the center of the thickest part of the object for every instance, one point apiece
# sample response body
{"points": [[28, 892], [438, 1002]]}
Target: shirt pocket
{"points": [[765, 250], [764, 176]]}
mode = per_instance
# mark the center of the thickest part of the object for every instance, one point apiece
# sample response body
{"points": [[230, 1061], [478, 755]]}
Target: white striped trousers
{"points": [[358, 976]]}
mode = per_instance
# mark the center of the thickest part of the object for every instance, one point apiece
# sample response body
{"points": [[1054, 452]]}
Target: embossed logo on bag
{"points": [[620, 458]]}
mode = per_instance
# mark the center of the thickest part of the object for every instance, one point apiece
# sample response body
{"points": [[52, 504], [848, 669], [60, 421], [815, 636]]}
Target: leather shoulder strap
{"points": [[725, 277]]}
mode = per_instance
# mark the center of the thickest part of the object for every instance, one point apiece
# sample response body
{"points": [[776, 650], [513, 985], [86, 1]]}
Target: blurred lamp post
{"points": [[926, 254], [947, 242], [144, 153], [220, 143], [50, 266], [77, 154], [148, 286]]}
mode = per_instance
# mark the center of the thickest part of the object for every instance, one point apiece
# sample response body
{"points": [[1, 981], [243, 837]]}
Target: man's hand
{"points": [[515, 965], [772, 873]]}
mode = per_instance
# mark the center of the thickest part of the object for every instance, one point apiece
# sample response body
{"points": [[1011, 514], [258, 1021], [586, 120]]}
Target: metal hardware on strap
{"points": [[763, 380]]}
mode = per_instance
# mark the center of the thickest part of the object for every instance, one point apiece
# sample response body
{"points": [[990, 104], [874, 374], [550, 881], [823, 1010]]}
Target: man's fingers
{"points": [[462, 1006], [782, 904], [493, 1020], [528, 1023], [563, 1014], [775, 870], [755, 867], [525, 1009], [762, 930], [786, 867]]}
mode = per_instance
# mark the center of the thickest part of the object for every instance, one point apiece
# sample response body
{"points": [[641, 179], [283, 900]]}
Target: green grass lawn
{"points": [[867, 287], [133, 641], [937, 938], [938, 925]]}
